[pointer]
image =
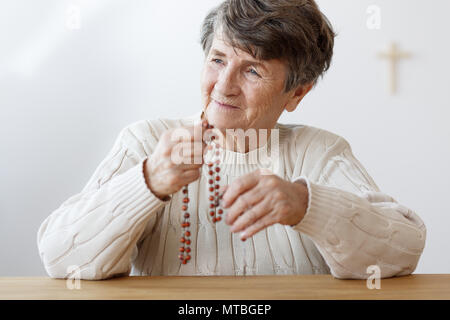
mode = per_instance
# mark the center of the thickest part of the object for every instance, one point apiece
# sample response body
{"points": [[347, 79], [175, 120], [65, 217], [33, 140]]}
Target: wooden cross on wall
{"points": [[394, 55]]}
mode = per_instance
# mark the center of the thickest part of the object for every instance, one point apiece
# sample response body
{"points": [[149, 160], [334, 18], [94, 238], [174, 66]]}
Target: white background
{"points": [[65, 94]]}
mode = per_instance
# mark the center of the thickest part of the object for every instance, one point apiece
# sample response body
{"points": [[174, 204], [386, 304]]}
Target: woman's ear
{"points": [[297, 96]]}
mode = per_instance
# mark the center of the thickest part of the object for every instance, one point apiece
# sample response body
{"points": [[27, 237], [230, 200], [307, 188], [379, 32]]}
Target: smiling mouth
{"points": [[224, 105]]}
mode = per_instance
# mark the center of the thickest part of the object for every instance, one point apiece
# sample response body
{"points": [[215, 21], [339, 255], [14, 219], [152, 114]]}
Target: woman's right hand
{"points": [[176, 160]]}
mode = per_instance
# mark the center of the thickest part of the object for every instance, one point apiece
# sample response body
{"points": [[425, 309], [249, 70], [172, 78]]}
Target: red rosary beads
{"points": [[185, 239], [213, 209]]}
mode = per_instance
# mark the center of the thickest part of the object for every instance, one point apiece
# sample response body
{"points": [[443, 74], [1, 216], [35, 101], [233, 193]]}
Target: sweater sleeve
{"points": [[354, 225], [95, 232]]}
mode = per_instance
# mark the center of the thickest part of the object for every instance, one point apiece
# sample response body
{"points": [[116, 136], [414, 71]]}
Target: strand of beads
{"points": [[214, 177], [214, 210], [185, 248]]}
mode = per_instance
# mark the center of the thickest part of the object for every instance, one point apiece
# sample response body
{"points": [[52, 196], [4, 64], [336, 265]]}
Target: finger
{"points": [[194, 148], [186, 134], [239, 186], [197, 154], [188, 153], [243, 203], [186, 167], [222, 190], [190, 175], [250, 216], [259, 225]]}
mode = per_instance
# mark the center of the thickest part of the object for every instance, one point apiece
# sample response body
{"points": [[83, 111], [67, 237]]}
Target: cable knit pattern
{"points": [[116, 226]]}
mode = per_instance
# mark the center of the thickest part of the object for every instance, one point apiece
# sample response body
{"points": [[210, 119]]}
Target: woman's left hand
{"points": [[258, 200]]}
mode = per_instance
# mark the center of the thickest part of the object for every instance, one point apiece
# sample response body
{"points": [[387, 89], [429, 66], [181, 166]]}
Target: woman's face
{"points": [[252, 89]]}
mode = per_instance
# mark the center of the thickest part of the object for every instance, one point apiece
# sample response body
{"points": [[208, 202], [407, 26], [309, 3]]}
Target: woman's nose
{"points": [[227, 83]]}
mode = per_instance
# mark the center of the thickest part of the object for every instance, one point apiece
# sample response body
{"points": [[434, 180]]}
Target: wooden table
{"points": [[416, 286]]}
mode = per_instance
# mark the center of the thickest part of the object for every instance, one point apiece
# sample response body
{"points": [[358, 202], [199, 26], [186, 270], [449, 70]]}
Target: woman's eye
{"points": [[217, 60], [252, 71]]}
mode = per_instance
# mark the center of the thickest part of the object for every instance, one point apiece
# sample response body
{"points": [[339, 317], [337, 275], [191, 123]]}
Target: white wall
{"points": [[65, 93]]}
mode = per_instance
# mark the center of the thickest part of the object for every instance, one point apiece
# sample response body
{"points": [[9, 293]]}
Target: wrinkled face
{"points": [[239, 91]]}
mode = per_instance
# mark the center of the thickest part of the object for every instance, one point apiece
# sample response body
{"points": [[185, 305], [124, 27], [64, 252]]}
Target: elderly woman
{"points": [[308, 208]]}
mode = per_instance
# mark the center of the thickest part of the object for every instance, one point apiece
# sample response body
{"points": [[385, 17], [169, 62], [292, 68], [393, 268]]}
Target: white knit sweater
{"points": [[115, 226]]}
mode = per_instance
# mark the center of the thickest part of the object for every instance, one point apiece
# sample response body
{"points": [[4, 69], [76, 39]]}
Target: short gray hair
{"points": [[294, 31]]}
